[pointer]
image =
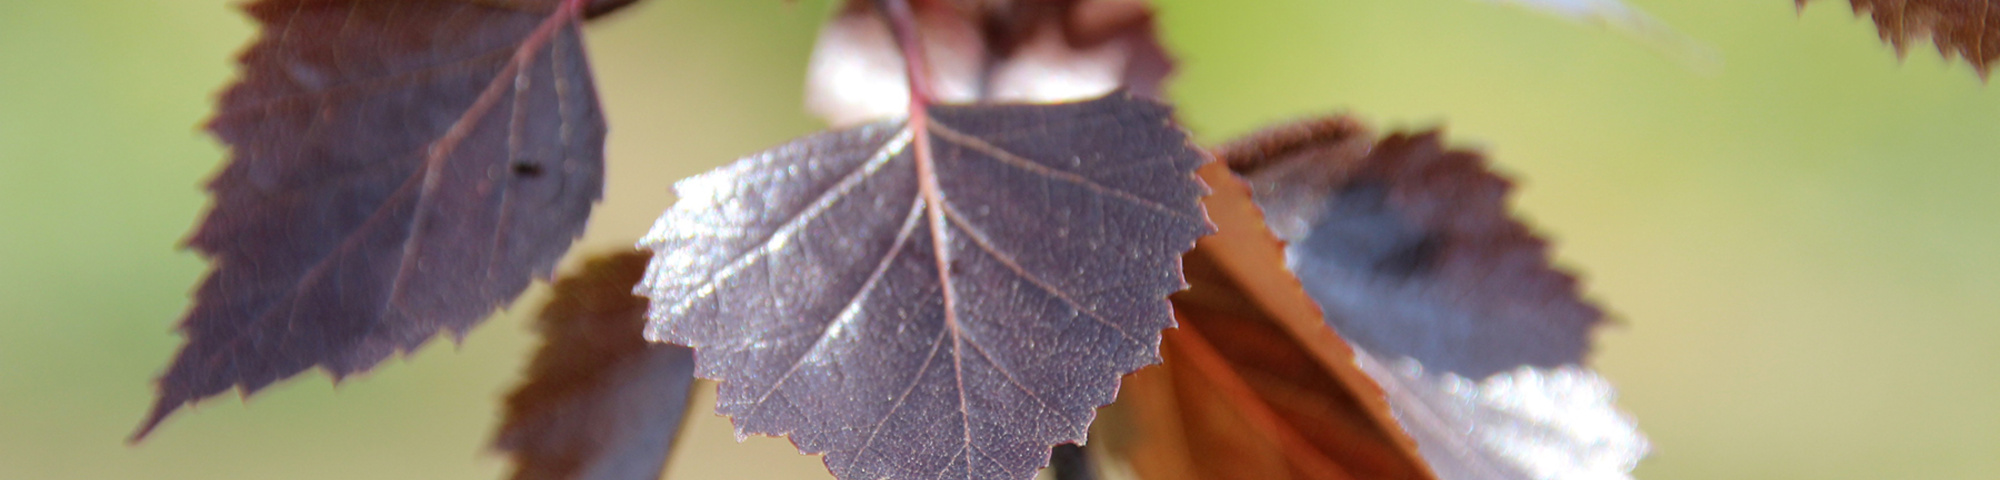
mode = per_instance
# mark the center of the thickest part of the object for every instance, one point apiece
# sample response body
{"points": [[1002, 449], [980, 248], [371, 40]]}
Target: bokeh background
{"points": [[1802, 242]]}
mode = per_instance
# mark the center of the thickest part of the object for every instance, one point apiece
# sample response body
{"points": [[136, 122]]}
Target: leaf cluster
{"points": [[1005, 245]]}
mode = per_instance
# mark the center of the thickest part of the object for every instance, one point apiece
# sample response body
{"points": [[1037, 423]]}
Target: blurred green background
{"points": [[1804, 244]]}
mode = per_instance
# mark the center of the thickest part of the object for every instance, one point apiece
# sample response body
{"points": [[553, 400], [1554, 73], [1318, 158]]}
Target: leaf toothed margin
{"points": [[1968, 29], [838, 305], [397, 169]]}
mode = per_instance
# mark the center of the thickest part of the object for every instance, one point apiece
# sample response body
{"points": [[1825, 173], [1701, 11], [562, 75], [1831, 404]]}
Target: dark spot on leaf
{"points": [[1361, 231], [331, 280], [1409, 249], [527, 169], [1410, 258]]}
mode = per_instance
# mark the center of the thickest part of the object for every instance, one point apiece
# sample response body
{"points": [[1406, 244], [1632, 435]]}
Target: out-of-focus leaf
{"points": [[1254, 384], [955, 311], [1527, 423], [1969, 29], [1409, 248], [1452, 304], [1631, 21], [987, 52], [1070, 461], [600, 402], [398, 169], [1606, 12]]}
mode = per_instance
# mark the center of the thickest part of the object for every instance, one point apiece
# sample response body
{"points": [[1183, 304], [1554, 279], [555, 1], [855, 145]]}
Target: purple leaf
{"points": [[1451, 303], [910, 340], [1409, 249], [600, 403], [398, 169]]}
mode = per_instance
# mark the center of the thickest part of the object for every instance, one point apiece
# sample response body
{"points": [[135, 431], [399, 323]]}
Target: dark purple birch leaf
{"points": [[1452, 304], [993, 52], [600, 402], [904, 339], [398, 168], [1968, 29]]}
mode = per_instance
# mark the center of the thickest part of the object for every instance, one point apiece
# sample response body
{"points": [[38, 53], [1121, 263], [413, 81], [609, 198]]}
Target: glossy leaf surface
{"points": [[1968, 29], [1452, 304], [397, 169], [908, 340], [600, 402]]}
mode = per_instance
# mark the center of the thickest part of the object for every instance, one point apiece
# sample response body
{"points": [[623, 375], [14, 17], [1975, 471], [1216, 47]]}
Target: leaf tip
{"points": [[166, 405]]}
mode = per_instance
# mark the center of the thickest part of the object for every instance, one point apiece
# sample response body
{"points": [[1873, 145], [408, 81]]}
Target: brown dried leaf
{"points": [[600, 402], [1968, 29]]}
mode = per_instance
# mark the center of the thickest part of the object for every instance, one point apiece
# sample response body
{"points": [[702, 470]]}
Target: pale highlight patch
{"points": [[1633, 22], [856, 73], [1527, 423], [1048, 70]]}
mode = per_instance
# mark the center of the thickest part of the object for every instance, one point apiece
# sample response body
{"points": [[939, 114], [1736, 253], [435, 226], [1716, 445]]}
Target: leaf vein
{"points": [[852, 309], [1015, 381], [820, 205], [985, 244], [1016, 161], [916, 379]]}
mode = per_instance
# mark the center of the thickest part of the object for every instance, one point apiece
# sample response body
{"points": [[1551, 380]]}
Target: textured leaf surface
{"points": [[600, 403], [987, 52], [397, 169], [1452, 304], [1969, 29], [1255, 385], [909, 340]]}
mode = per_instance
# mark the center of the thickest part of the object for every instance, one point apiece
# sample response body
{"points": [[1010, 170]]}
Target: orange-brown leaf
{"points": [[1254, 384], [1969, 29]]}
